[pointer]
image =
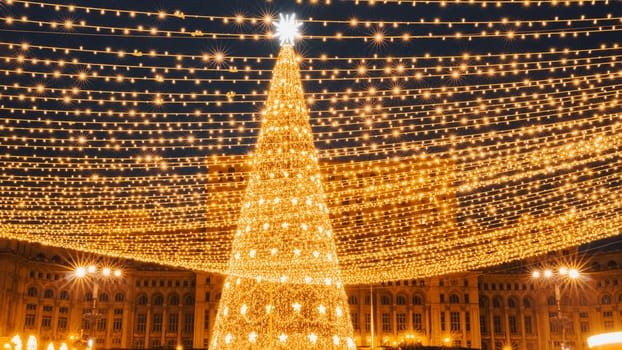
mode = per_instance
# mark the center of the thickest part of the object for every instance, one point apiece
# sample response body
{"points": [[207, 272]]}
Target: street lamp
{"points": [[95, 274], [562, 276], [31, 344], [17, 341]]}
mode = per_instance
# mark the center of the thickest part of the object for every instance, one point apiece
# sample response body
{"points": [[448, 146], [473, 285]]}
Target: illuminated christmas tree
{"points": [[284, 290]]}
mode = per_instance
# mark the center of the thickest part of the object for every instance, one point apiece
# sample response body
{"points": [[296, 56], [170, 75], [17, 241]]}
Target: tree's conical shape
{"points": [[284, 290]]}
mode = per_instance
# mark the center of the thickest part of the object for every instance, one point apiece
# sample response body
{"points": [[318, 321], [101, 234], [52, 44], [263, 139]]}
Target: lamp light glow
{"points": [[80, 271], [604, 339], [573, 273]]}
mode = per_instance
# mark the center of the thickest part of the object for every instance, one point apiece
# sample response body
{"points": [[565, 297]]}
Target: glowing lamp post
{"points": [[17, 341], [95, 275], [559, 277], [31, 344]]}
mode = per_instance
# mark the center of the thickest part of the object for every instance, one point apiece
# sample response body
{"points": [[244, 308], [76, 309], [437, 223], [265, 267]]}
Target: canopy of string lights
{"points": [[451, 135]]}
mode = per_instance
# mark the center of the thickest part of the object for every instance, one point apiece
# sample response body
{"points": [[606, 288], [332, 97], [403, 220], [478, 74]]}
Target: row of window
{"points": [[156, 343], [45, 276], [46, 322], [555, 324], [158, 299], [64, 295], [46, 308], [47, 293], [497, 302], [165, 283], [101, 323], [455, 321], [607, 283], [172, 324], [104, 297], [505, 286], [386, 299], [497, 325], [512, 302], [414, 283]]}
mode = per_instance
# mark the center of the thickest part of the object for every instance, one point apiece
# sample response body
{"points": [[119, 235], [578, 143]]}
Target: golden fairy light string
{"points": [[221, 57], [284, 286], [268, 18], [371, 38], [402, 68], [465, 157]]}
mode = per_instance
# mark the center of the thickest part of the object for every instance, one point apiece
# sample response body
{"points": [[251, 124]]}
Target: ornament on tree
{"points": [[284, 286]]}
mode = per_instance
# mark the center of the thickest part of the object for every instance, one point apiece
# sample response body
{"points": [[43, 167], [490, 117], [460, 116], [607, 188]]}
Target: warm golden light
{"points": [[80, 271], [472, 140], [573, 273], [287, 29], [605, 339], [284, 285]]}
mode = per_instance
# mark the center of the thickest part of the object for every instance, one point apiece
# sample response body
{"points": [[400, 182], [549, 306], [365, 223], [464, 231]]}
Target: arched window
{"points": [[188, 300], [142, 299], [612, 265], [620, 299], [32, 292], [550, 301], [119, 297], [496, 302], [417, 300], [173, 299], [511, 303], [385, 300], [353, 300], [103, 297], [606, 299], [454, 299], [157, 299], [400, 300], [64, 295], [48, 293], [526, 303]]}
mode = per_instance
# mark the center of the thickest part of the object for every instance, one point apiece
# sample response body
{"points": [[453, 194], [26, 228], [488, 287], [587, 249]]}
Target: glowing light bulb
{"points": [[573, 273], [287, 29], [80, 271]]}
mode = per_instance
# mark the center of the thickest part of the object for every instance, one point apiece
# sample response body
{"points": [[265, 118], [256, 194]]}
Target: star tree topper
{"points": [[287, 29]]}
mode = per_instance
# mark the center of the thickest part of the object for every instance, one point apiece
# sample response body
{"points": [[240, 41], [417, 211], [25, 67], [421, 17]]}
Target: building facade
{"points": [[158, 307]]}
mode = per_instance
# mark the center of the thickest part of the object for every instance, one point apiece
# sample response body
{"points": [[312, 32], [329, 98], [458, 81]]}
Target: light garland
{"points": [[490, 151], [284, 285]]}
